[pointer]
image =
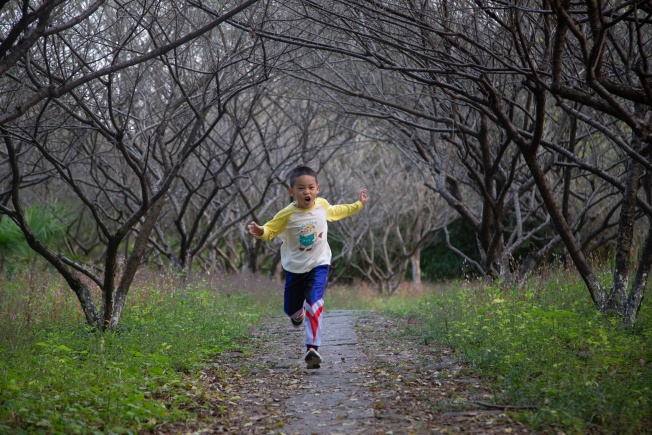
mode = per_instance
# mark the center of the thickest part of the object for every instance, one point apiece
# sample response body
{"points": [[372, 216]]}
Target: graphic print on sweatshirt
{"points": [[308, 235]]}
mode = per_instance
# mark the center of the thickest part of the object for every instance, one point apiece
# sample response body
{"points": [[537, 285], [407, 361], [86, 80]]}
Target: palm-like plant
{"points": [[49, 223]]}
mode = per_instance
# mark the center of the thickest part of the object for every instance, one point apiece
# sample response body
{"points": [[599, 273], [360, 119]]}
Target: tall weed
{"points": [[545, 345]]}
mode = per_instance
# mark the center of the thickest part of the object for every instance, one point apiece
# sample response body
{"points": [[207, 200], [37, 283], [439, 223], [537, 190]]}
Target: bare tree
{"points": [[432, 114], [297, 129], [522, 116], [384, 241], [490, 80], [608, 42], [203, 197], [611, 42], [113, 99]]}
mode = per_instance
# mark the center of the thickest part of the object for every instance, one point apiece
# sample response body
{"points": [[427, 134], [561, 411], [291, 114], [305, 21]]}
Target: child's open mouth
{"points": [[307, 199]]}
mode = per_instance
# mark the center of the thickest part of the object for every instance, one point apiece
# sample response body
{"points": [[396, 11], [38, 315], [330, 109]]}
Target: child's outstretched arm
{"points": [[339, 211], [255, 229], [362, 196], [272, 228]]}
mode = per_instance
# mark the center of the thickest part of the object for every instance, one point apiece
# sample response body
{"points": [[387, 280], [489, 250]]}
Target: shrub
{"points": [[59, 376], [49, 223], [544, 345]]}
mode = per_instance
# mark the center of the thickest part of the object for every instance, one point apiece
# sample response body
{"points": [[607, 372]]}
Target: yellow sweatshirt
{"points": [[304, 233]]}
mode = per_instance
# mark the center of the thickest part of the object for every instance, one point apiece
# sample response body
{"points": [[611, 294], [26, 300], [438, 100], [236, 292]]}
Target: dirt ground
{"points": [[374, 380]]}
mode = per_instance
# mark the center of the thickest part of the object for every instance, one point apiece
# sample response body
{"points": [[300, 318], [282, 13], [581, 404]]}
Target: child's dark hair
{"points": [[301, 170]]}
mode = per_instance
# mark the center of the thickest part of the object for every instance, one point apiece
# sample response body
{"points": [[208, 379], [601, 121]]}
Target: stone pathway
{"points": [[333, 399], [375, 379]]}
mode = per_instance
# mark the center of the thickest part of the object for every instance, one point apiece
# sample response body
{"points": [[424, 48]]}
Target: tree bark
{"points": [[134, 260], [618, 296], [563, 229], [633, 305], [415, 263]]}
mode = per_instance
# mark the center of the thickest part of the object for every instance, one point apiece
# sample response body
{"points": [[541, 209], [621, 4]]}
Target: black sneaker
{"points": [[313, 359], [299, 320]]}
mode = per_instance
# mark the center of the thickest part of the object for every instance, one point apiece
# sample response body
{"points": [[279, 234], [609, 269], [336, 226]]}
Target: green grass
{"points": [[542, 345], [59, 376], [545, 345], [362, 297]]}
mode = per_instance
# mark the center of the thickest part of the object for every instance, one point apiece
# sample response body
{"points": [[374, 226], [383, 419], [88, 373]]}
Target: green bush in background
{"points": [[49, 222], [438, 263]]}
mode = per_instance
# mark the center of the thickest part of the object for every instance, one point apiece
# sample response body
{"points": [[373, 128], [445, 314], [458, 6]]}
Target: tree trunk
{"points": [[568, 170], [529, 149], [618, 296], [108, 286], [596, 290], [635, 298], [275, 269], [134, 260], [72, 278], [81, 290], [415, 263]]}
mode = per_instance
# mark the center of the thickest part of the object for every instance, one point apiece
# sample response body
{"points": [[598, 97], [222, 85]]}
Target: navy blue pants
{"points": [[304, 293]]}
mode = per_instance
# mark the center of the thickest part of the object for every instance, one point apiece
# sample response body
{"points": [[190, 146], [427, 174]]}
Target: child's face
{"points": [[304, 191]]}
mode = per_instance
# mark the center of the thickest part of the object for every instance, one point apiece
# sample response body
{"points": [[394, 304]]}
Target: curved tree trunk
{"points": [[133, 262], [568, 238], [81, 290], [529, 151]]}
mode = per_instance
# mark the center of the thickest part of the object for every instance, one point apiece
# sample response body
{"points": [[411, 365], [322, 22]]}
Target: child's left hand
{"points": [[362, 196], [255, 229]]}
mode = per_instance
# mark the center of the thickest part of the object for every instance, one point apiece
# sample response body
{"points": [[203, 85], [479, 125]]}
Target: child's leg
{"points": [[293, 296], [314, 304]]}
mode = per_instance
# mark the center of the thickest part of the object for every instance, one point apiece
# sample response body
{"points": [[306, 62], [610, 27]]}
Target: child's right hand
{"points": [[255, 229], [363, 197]]}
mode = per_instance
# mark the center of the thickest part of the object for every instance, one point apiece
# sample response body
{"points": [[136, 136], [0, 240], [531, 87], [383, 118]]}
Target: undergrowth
{"points": [[59, 376], [544, 345], [540, 345]]}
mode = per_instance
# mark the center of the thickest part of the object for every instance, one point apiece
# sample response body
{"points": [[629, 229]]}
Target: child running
{"points": [[305, 254]]}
